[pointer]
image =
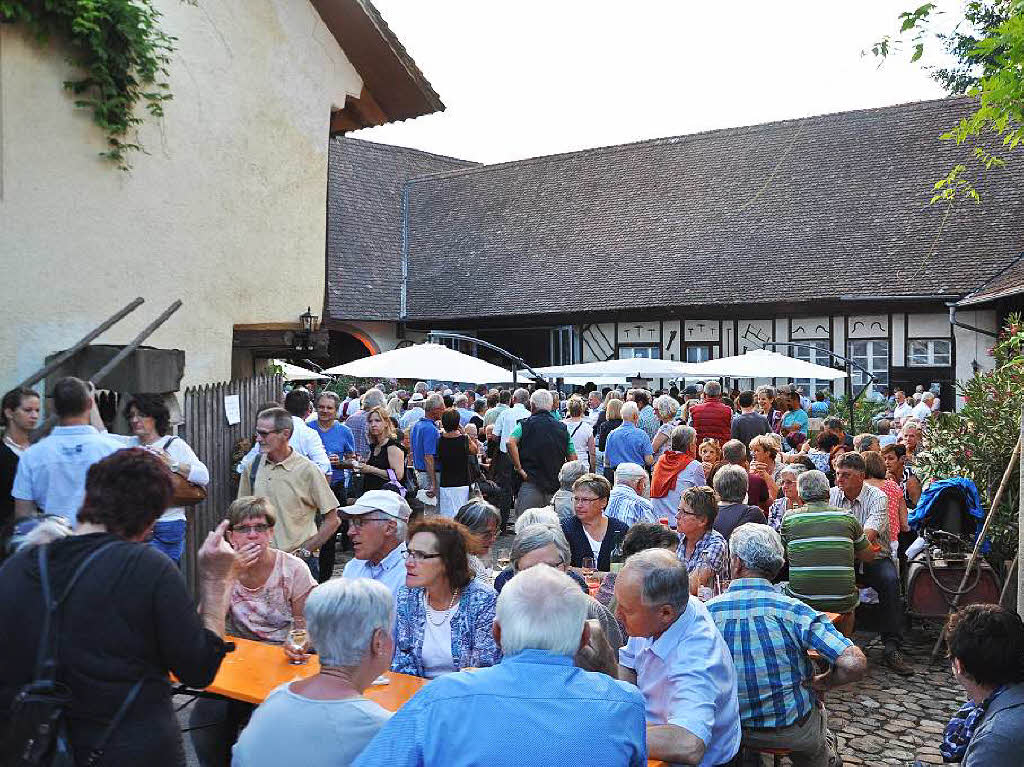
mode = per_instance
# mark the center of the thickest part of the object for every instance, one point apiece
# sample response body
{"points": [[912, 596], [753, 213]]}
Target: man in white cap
{"points": [[377, 528]]}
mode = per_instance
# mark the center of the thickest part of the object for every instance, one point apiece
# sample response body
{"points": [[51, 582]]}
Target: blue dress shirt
{"points": [[390, 571], [423, 440], [688, 679], [51, 473], [533, 708]]}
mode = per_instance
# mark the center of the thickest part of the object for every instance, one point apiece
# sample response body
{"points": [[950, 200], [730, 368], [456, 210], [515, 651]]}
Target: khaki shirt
{"points": [[298, 490]]}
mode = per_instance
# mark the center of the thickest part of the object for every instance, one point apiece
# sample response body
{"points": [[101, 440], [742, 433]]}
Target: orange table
{"points": [[254, 669]]}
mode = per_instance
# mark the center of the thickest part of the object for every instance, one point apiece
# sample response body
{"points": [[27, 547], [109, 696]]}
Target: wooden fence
{"points": [[207, 431]]}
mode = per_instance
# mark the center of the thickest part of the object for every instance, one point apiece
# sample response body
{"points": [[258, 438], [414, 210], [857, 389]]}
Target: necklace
{"points": [[447, 613]]}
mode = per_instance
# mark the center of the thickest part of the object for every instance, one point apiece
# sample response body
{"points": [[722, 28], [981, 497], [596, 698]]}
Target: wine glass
{"points": [[503, 557], [298, 641], [587, 566]]}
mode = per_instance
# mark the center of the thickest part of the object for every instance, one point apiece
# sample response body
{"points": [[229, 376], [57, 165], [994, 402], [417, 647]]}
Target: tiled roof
{"points": [[1009, 282], [364, 224], [830, 207]]}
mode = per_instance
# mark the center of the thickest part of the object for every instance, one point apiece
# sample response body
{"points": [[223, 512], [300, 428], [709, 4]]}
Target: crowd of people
{"points": [[685, 573]]}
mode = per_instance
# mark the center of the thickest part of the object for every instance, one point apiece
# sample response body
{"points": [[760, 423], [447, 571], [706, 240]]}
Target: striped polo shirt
{"points": [[821, 541]]}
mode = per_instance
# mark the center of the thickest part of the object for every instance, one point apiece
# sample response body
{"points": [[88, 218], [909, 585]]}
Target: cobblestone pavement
{"points": [[886, 719]]}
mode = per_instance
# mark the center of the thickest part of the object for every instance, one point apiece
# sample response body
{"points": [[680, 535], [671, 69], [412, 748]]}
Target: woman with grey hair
{"points": [[562, 501], [789, 498], [325, 718], [483, 520], [674, 472], [667, 410], [540, 544], [541, 515]]}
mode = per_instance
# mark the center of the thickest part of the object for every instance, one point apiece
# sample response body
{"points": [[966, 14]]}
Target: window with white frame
{"points": [[874, 357], [652, 352], [929, 352], [815, 352], [698, 352]]}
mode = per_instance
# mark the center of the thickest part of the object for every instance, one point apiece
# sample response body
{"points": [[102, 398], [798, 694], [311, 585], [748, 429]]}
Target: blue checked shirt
{"points": [[626, 506], [769, 635], [649, 421]]}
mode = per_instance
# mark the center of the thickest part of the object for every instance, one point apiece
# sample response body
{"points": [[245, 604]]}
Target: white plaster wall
{"points": [[226, 212], [385, 334], [597, 341], [898, 349], [928, 325], [809, 327], [971, 346]]}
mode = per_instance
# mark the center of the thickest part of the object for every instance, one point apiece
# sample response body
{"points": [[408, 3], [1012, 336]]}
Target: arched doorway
{"points": [[346, 346]]}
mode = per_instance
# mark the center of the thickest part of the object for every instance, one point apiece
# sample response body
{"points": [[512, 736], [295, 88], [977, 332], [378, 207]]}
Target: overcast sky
{"points": [[527, 78]]}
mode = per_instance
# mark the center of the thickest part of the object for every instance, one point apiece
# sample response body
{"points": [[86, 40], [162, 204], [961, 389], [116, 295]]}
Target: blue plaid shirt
{"points": [[628, 507], [769, 635], [711, 551]]}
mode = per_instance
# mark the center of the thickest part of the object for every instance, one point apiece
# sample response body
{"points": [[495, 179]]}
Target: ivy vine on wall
{"points": [[121, 51]]}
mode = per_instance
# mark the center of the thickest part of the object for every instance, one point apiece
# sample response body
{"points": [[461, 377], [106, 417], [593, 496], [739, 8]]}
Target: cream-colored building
{"points": [[226, 210]]}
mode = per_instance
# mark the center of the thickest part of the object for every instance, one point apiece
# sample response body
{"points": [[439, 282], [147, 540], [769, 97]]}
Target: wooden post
{"points": [[1020, 532]]}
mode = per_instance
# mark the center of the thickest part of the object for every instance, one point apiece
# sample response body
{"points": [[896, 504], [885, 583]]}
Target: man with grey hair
{"points": [[538, 447], [678, 659], [731, 485], [377, 527], [628, 502], [627, 443], [769, 635], [510, 418], [676, 471], [527, 708], [822, 543], [325, 718], [712, 418]]}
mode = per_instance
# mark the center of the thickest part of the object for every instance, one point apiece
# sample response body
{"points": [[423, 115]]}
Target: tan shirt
{"points": [[298, 490]]}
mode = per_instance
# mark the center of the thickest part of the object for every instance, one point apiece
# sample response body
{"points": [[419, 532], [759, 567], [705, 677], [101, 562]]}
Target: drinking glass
{"points": [[503, 557], [298, 641], [588, 565]]}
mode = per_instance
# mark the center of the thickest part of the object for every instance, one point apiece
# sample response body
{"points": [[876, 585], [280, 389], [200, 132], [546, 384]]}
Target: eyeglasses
{"points": [[358, 522], [419, 556], [584, 499], [246, 529], [267, 432]]}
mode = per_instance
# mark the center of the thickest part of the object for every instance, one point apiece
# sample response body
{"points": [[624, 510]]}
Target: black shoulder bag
{"points": [[37, 734]]}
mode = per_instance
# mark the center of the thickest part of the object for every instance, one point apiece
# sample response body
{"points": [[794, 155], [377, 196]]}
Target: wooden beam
{"points": [[344, 121], [366, 108]]}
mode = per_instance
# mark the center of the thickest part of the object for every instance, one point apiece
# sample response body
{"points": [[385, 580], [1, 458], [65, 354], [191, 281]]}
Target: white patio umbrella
{"points": [[296, 373], [635, 367], [425, 361], [761, 363]]}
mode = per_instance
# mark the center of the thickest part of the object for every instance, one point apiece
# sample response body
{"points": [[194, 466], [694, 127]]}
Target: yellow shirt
{"points": [[298, 490]]}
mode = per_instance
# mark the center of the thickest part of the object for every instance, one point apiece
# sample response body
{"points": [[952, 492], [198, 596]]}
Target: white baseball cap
{"points": [[384, 501]]}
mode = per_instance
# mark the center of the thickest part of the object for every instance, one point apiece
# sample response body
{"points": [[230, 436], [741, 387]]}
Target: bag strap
{"points": [[101, 744], [46, 660], [576, 430], [255, 467], [167, 444]]}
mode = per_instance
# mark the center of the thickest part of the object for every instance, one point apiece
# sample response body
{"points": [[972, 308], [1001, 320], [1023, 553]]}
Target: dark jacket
{"points": [[999, 739], [128, 617], [732, 516], [543, 449], [579, 546]]}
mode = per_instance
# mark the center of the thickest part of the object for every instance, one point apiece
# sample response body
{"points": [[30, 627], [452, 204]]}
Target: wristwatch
{"points": [[175, 465], [303, 553]]}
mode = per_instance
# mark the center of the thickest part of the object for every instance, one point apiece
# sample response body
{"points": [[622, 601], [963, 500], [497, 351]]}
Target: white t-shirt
{"points": [[594, 545], [581, 432], [922, 411], [437, 643], [902, 412]]}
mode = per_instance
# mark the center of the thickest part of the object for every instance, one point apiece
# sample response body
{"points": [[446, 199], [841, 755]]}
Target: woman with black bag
{"points": [[126, 622]]}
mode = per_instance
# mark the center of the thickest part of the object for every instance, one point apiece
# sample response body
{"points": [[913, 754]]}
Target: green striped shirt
{"points": [[821, 541]]}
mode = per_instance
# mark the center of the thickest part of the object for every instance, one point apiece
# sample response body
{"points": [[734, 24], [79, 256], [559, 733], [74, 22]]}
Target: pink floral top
{"points": [[894, 494], [265, 613]]}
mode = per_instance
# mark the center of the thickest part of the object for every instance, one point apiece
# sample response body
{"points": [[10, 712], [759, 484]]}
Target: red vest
{"points": [[712, 419]]}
